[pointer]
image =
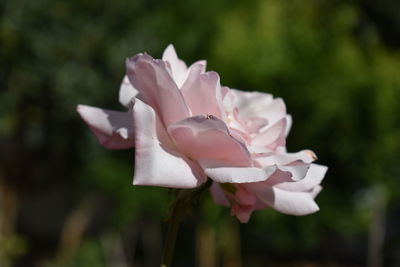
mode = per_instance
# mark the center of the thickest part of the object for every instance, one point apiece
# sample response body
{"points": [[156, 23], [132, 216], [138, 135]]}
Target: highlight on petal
{"points": [[127, 92], [237, 174], [155, 162], [157, 88], [113, 129], [289, 122]]}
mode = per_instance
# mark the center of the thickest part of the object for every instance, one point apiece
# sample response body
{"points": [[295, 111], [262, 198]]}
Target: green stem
{"points": [[184, 200], [172, 232]]}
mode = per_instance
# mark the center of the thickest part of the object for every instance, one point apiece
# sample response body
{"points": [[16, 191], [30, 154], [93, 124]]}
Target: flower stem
{"points": [[185, 199], [172, 232]]}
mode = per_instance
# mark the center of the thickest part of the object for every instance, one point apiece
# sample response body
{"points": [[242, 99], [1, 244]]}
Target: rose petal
{"points": [[294, 203], [289, 123], [200, 63], [156, 163], [218, 195], [315, 191], [244, 101], [313, 178], [127, 93], [156, 87], [236, 174], [178, 67], [297, 170], [273, 158], [113, 129], [243, 204], [255, 104], [272, 137], [255, 124], [279, 177], [208, 138], [223, 158], [202, 92]]}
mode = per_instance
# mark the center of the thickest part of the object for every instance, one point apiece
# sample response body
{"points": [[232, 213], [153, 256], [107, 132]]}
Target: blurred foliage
{"points": [[335, 63]]}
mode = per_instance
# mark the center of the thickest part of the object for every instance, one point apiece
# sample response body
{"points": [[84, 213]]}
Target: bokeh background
{"points": [[67, 201]]}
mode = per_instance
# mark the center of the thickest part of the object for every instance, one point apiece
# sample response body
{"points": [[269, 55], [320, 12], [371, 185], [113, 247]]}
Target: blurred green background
{"points": [[67, 201]]}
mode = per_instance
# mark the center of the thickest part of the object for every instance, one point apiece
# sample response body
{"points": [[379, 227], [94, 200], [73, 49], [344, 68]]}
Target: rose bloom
{"points": [[186, 128]]}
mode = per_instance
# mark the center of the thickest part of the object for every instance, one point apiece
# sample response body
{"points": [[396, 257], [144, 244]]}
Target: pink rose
{"points": [[186, 127]]}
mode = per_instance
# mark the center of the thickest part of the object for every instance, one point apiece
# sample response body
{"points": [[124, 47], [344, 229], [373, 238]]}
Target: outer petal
{"points": [[178, 67], [127, 92], [155, 162], [113, 129], [294, 203], [157, 88], [202, 92]]}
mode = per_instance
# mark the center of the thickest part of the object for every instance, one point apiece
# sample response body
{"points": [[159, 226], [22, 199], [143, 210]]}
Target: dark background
{"points": [[67, 201]]}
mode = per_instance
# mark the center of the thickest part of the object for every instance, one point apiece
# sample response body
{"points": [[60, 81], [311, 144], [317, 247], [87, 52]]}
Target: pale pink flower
{"points": [[186, 127]]}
